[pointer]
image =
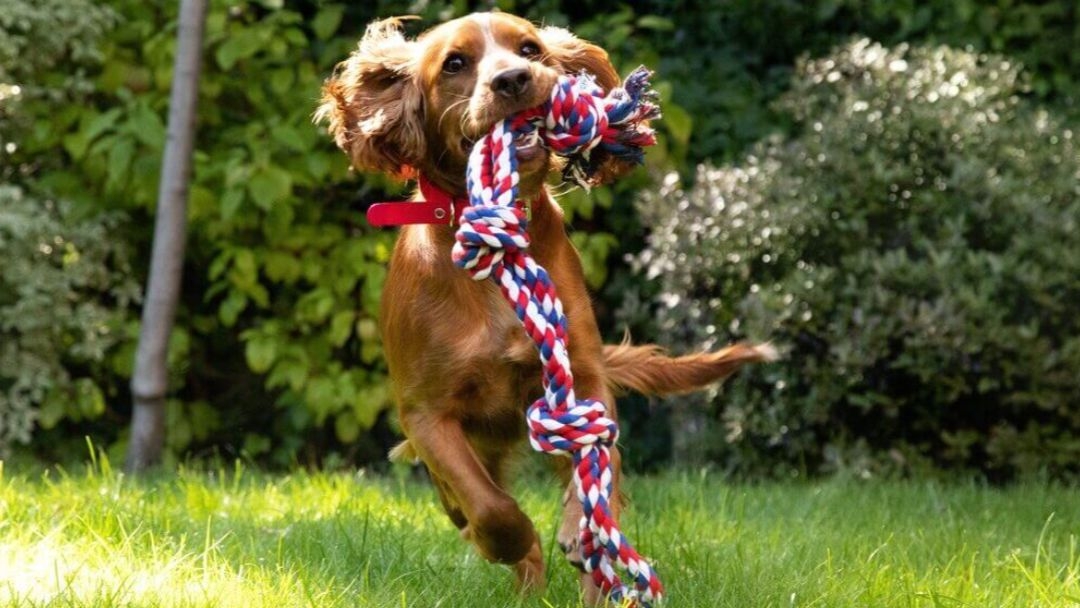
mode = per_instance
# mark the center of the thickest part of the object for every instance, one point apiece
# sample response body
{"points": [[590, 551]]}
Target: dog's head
{"points": [[404, 106]]}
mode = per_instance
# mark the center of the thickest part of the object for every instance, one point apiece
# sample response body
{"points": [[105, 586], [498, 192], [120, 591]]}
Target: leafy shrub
{"points": [[66, 292], [733, 57], [282, 272], [275, 256], [35, 38], [66, 286], [913, 249]]}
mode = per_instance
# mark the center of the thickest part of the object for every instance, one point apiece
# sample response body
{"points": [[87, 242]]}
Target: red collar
{"points": [[438, 207]]}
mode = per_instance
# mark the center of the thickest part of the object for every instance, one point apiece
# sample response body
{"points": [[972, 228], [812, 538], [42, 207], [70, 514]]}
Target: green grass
{"points": [[236, 538]]}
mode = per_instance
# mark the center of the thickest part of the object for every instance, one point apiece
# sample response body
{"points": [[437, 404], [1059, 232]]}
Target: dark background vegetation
{"points": [[942, 332]]}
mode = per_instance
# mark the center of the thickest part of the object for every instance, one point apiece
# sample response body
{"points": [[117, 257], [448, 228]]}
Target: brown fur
{"points": [[648, 369], [373, 104], [462, 369]]}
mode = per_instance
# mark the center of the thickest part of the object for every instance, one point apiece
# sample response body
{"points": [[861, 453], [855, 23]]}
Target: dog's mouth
{"points": [[527, 145]]}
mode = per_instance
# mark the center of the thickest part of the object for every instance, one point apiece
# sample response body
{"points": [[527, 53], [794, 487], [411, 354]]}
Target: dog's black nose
{"points": [[511, 83]]}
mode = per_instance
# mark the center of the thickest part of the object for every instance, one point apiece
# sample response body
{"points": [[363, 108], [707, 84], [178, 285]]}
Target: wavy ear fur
{"points": [[374, 105], [575, 55]]}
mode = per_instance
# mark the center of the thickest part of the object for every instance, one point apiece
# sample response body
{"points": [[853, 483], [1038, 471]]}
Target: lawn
{"points": [[233, 537]]}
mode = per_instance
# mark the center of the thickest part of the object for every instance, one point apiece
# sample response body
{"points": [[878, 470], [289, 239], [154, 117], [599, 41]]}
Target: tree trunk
{"points": [[149, 382]]}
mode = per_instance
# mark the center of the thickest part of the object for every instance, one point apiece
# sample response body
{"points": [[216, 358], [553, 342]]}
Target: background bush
{"points": [[912, 248], [276, 353], [275, 356], [66, 291]]}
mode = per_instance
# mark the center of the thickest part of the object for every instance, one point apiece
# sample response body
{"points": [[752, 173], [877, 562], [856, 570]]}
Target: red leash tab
{"points": [[400, 214], [438, 208]]}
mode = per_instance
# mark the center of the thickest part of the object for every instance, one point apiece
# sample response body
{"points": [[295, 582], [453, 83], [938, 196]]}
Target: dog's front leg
{"points": [[500, 530]]}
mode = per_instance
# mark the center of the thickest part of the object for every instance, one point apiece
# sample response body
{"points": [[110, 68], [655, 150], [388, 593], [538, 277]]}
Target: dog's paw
{"points": [[569, 537], [529, 572]]}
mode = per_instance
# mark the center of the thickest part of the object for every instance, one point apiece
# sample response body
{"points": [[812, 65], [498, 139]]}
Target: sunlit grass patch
{"points": [[211, 539], [230, 537]]}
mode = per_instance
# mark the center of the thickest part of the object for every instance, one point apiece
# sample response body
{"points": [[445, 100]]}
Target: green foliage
{"points": [[279, 255], [66, 293], [276, 352], [66, 288], [36, 36], [45, 48], [912, 250], [1034, 33], [276, 256], [729, 59]]}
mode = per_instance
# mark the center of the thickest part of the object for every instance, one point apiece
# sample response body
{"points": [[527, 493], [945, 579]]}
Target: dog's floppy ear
{"points": [[575, 55], [374, 105]]}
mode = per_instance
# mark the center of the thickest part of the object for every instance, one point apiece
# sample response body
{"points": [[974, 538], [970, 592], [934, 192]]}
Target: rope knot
{"points": [[486, 235], [568, 430], [576, 120]]}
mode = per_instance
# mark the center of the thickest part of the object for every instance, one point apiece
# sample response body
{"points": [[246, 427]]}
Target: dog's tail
{"points": [[648, 369]]}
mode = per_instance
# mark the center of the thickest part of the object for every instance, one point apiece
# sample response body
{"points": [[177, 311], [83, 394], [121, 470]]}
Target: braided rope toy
{"points": [[583, 124]]}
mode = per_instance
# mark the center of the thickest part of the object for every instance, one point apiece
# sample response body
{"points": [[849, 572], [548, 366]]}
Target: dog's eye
{"points": [[453, 64], [529, 49]]}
